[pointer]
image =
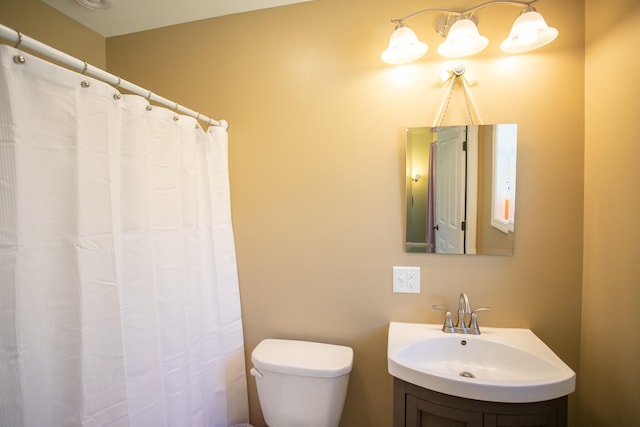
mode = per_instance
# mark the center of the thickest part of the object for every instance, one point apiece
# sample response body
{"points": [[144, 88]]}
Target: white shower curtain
{"points": [[119, 299]]}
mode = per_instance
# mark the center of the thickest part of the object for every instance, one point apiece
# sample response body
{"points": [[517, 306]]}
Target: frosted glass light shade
{"points": [[463, 40], [404, 46], [529, 31]]}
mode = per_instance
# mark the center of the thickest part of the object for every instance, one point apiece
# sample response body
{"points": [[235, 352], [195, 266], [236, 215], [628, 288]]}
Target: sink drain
{"points": [[467, 374]]}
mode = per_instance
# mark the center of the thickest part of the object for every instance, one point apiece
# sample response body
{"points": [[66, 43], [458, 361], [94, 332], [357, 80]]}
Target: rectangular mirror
{"points": [[461, 189]]}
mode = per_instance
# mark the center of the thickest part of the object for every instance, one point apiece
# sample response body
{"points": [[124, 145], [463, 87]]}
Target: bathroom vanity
{"points": [[414, 406], [500, 377]]}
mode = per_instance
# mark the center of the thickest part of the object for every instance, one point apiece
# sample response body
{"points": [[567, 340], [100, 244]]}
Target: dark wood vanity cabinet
{"points": [[414, 406]]}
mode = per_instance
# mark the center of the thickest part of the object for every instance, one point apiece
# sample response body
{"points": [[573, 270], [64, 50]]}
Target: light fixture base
{"points": [[95, 4]]}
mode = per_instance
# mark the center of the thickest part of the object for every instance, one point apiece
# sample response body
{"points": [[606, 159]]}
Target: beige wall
{"points": [[609, 387], [42, 22], [317, 172], [317, 175]]}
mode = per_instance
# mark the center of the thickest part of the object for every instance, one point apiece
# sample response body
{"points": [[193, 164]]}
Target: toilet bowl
{"points": [[301, 383]]}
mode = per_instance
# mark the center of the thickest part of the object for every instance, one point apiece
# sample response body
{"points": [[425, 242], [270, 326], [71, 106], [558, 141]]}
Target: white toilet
{"points": [[301, 383]]}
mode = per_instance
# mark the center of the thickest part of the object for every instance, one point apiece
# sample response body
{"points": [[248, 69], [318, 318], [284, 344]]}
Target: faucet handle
{"points": [[473, 324], [447, 326]]}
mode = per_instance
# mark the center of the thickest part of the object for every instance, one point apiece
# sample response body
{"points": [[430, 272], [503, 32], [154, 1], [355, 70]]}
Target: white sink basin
{"points": [[500, 365]]}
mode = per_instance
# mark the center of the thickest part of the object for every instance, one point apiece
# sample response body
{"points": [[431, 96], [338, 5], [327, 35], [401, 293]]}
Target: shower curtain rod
{"points": [[19, 39]]}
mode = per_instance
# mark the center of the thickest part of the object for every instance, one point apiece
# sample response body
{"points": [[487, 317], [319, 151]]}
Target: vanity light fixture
{"points": [[529, 31]]}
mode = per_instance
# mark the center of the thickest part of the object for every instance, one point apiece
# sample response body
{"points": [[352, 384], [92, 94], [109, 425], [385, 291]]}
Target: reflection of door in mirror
{"points": [[450, 177], [460, 184]]}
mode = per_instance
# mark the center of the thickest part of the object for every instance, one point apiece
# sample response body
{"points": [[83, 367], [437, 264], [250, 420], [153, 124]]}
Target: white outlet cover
{"points": [[406, 280]]}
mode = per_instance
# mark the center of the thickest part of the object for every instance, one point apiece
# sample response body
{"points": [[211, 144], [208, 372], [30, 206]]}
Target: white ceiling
{"points": [[130, 16]]}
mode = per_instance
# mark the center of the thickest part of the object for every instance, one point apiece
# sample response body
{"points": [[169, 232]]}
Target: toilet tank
{"points": [[301, 383]]}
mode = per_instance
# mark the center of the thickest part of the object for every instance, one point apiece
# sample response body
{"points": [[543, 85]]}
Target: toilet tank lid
{"points": [[303, 358]]}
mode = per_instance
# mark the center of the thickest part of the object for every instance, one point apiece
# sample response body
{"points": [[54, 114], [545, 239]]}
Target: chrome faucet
{"points": [[464, 308], [462, 325]]}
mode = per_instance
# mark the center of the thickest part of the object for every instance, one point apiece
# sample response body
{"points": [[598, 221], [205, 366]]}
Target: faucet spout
{"points": [[464, 309]]}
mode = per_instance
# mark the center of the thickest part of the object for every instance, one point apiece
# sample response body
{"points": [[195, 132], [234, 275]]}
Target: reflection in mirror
{"points": [[461, 189]]}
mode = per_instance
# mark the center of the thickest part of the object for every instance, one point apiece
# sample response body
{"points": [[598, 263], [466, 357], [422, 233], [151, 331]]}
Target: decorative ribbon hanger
{"points": [[453, 74]]}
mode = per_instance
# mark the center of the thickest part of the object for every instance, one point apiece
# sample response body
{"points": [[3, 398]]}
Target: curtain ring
{"points": [[84, 70], [19, 41], [149, 96], [119, 81]]}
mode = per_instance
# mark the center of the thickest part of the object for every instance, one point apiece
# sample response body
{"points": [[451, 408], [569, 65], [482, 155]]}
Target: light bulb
{"points": [[463, 39], [527, 35]]}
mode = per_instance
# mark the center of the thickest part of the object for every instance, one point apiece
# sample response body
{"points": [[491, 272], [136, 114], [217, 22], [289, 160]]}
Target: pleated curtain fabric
{"points": [[119, 298]]}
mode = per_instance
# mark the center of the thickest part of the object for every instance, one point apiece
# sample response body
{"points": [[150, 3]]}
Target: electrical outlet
{"points": [[411, 279], [406, 280]]}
